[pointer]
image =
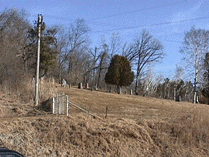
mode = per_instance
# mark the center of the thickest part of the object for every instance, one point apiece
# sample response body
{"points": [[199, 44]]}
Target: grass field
{"points": [[131, 106], [135, 126]]}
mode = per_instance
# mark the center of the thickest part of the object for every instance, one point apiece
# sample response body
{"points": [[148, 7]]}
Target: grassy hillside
{"points": [[135, 126]]}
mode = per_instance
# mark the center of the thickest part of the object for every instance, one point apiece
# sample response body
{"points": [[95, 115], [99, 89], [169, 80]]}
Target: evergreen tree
{"points": [[48, 49], [119, 72], [205, 90]]}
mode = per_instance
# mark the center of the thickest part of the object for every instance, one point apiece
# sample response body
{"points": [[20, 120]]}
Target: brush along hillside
{"points": [[135, 126]]}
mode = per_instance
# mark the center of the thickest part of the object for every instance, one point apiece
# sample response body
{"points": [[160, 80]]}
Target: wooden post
{"points": [[53, 107], [58, 103], [67, 105], [63, 104], [106, 111]]}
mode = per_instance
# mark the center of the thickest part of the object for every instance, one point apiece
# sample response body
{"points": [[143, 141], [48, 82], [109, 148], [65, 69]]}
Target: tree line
{"points": [[67, 54]]}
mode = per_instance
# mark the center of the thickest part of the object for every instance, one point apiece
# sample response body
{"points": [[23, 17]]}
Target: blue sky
{"points": [[166, 20]]}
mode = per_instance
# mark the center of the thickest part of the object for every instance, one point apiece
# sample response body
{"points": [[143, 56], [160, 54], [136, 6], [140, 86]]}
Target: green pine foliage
{"points": [[48, 48], [119, 72], [205, 90]]}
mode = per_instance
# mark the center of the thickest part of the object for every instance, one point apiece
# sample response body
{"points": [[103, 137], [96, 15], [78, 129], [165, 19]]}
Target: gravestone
{"points": [[87, 86], [96, 87], [131, 92], [80, 86], [64, 83]]}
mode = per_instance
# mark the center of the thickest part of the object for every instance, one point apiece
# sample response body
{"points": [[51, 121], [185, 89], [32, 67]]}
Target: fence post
{"points": [[63, 105], [53, 105], [58, 106], [67, 105], [106, 111]]}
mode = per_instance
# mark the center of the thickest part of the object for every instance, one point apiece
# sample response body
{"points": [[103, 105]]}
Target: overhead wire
{"points": [[138, 10], [133, 11], [113, 15], [139, 26], [151, 25]]}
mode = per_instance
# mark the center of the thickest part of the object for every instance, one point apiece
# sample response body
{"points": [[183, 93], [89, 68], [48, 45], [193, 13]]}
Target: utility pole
{"points": [[40, 19]]}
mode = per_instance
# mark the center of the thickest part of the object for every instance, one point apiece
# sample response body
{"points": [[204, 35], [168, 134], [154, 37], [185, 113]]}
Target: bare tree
{"points": [[145, 50], [179, 73], [62, 51], [75, 50], [95, 56], [148, 82], [103, 63], [13, 38], [114, 45], [195, 46]]}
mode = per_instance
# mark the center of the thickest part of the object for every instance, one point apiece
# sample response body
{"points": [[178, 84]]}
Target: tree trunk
{"points": [[137, 76], [136, 86], [98, 81], [174, 97], [195, 97]]}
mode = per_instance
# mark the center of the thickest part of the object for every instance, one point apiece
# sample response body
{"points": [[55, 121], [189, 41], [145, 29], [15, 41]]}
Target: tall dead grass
{"points": [[77, 136], [24, 90], [18, 99], [188, 135], [82, 135], [172, 129]]}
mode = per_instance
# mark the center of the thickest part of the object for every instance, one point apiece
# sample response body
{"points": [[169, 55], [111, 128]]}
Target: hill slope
{"points": [[135, 126]]}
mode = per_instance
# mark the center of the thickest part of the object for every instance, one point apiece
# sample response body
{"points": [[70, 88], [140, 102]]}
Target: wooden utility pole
{"points": [[40, 19]]}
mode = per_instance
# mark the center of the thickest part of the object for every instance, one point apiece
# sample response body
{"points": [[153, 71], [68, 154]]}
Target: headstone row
{"points": [[80, 86]]}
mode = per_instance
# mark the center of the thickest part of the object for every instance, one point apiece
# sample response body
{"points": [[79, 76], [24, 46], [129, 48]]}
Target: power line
{"points": [[173, 41], [133, 11], [152, 25], [109, 16]]}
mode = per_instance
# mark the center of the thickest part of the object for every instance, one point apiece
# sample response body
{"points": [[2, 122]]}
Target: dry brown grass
{"points": [[19, 102], [76, 136], [135, 126], [24, 90]]}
